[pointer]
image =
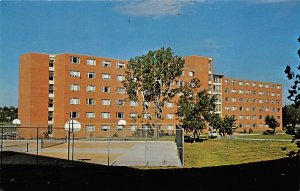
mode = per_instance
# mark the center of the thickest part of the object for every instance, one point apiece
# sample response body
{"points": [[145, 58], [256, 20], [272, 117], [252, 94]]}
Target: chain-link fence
{"points": [[105, 146]]}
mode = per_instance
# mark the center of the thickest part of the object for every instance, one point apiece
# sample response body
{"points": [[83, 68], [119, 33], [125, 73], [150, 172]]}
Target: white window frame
{"points": [[105, 115], [90, 88], [75, 87], [74, 101], [120, 65], [75, 73], [120, 78], [104, 88], [105, 102], [91, 62], [90, 115], [91, 75], [106, 76]]}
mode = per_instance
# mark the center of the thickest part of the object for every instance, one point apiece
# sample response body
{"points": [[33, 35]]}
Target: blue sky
{"points": [[252, 40]]}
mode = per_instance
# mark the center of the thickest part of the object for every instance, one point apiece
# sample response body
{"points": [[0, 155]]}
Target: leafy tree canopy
{"points": [[271, 122]]}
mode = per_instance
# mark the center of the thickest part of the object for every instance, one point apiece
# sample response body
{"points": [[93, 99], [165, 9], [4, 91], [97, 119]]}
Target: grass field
{"points": [[218, 152]]}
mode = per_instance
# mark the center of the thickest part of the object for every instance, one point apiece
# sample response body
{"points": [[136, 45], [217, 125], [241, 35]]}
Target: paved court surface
{"points": [[115, 153]]}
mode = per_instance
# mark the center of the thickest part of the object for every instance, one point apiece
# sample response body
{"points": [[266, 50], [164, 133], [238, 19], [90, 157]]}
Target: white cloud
{"points": [[274, 1], [156, 8]]}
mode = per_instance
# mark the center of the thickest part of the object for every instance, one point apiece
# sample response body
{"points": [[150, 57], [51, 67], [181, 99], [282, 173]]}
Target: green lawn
{"points": [[261, 136], [218, 152]]}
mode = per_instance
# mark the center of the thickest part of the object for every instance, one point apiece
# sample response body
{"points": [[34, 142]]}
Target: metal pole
{"points": [[1, 144], [37, 146], [108, 141], [72, 142], [69, 140], [145, 146]]}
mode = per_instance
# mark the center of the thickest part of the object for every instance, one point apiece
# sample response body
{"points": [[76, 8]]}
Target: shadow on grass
{"points": [[281, 174]]}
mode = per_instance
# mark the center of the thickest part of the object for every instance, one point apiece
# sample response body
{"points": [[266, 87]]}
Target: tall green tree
{"points": [[7, 114], [149, 79], [271, 122], [290, 117], [294, 94], [194, 107]]}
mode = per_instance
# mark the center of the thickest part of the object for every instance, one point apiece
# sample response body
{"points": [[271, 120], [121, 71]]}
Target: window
{"points": [[226, 90], [272, 94], [254, 84], [120, 65], [75, 60], [90, 128], [180, 83], [241, 108], [233, 82], [120, 90], [105, 89], [91, 62], [261, 109], [51, 75], [91, 88], [278, 87], [120, 77], [278, 94], [90, 115], [105, 102], [74, 73], [241, 83], [75, 87], [254, 117], [248, 100], [267, 109], [254, 92], [226, 99], [260, 93], [260, 101], [90, 101], [74, 101], [241, 117], [226, 108], [247, 116], [91, 75], [247, 108], [170, 116], [105, 115], [120, 115], [233, 108], [233, 91], [119, 128], [132, 127], [120, 102], [260, 117], [106, 76], [147, 116], [51, 88], [267, 86], [169, 104], [226, 81], [241, 100], [241, 91], [260, 85], [74, 114], [247, 84], [133, 115], [233, 99], [133, 103], [191, 73], [106, 63], [267, 101], [254, 100], [105, 127], [247, 92], [254, 109]]}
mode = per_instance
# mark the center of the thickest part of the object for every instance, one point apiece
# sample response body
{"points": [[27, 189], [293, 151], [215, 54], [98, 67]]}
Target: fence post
{"points": [[1, 146], [37, 146]]}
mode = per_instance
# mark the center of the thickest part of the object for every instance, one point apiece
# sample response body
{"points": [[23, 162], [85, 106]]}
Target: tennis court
{"points": [[113, 153]]}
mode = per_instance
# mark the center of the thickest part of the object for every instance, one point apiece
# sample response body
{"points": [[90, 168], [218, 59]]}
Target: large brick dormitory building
{"points": [[89, 89]]}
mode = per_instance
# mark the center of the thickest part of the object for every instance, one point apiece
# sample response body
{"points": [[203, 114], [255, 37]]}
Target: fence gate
{"points": [[180, 143]]}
